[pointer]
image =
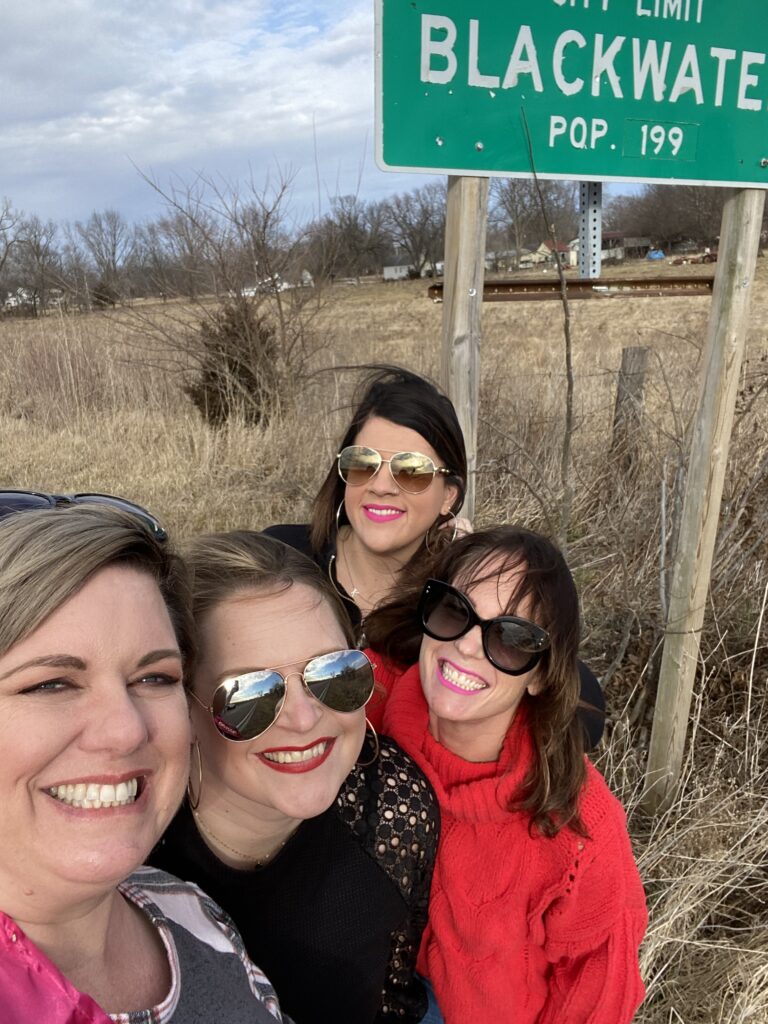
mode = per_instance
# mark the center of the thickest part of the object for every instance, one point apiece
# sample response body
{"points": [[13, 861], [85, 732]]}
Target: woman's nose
{"points": [[383, 482], [470, 644], [116, 722], [300, 711]]}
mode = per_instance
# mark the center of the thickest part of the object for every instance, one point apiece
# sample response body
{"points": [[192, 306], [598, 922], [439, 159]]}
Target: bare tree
{"points": [[669, 213], [351, 240], [184, 240], [517, 205], [10, 221], [109, 241], [37, 260], [416, 221], [78, 275]]}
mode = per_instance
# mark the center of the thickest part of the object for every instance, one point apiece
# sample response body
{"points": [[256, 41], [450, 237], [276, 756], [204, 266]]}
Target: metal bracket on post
{"points": [[590, 229]]}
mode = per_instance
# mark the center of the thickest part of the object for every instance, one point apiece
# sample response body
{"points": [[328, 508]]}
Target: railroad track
{"points": [[538, 289]]}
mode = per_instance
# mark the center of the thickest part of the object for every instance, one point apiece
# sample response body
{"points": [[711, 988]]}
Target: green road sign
{"points": [[623, 90]]}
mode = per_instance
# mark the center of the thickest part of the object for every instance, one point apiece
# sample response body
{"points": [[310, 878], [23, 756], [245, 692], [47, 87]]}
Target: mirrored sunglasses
{"points": [[26, 501], [245, 706], [511, 644], [411, 471]]}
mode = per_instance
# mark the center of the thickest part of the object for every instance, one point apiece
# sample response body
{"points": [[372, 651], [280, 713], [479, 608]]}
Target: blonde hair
{"points": [[48, 555], [225, 565]]}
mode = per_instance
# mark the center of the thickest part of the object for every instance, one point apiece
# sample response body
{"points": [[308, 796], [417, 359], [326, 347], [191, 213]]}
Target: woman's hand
{"points": [[463, 526], [460, 526]]}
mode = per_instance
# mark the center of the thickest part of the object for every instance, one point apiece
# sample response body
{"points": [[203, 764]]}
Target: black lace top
{"points": [[335, 919]]}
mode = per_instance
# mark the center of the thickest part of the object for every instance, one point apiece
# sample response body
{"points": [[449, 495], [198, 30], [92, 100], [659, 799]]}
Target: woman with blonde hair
{"points": [[319, 845], [95, 638]]}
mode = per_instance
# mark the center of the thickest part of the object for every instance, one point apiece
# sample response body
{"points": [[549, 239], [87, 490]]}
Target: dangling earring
{"points": [[455, 525], [376, 748], [338, 514], [194, 804], [439, 528]]}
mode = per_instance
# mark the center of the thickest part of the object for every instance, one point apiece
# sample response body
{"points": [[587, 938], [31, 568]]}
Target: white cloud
{"points": [[221, 86]]}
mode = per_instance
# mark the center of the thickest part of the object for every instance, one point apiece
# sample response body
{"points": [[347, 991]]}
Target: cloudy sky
{"points": [[96, 91]]}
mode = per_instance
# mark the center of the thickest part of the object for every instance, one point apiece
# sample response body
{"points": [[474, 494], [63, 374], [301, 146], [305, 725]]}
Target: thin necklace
{"points": [[258, 861], [332, 577], [356, 592]]}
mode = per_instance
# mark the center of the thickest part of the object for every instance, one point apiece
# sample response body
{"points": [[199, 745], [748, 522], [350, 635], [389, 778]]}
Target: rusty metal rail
{"points": [[537, 289]]}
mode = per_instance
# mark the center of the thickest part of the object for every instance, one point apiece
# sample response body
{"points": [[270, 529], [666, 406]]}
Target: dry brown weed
{"points": [[85, 405]]}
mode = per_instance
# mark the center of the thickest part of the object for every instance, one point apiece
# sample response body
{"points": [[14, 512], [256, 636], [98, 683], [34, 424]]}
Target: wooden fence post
{"points": [[739, 240], [628, 410], [465, 224]]}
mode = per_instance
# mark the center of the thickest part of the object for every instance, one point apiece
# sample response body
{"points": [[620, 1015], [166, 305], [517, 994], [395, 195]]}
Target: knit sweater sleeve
{"points": [[595, 926]]}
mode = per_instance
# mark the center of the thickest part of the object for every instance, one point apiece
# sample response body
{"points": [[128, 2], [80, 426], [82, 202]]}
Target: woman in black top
{"points": [[391, 499], [325, 864]]}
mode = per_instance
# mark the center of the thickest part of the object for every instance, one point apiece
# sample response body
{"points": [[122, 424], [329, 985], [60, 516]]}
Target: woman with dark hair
{"points": [[393, 492], [321, 853], [391, 499], [537, 909]]}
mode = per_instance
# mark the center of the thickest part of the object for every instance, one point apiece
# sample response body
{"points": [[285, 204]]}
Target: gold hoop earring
{"points": [[439, 528], [376, 747], [194, 804], [455, 525], [338, 514]]}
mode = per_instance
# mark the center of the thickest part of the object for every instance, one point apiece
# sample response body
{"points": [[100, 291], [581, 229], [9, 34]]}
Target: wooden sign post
{"points": [[451, 84], [739, 241], [465, 226]]}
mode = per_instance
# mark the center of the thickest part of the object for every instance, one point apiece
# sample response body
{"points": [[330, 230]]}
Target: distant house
{"points": [[616, 246], [501, 260], [632, 246], [547, 250], [18, 299], [398, 271], [526, 259]]}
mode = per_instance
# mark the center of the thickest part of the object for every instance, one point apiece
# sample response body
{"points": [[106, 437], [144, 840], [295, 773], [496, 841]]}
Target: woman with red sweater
{"points": [[537, 909]]}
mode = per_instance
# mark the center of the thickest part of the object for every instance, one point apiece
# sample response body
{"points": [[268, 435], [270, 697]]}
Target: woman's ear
{"points": [[536, 684], [449, 500]]}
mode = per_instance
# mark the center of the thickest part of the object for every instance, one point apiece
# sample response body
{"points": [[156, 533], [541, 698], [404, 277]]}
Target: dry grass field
{"points": [[90, 403]]}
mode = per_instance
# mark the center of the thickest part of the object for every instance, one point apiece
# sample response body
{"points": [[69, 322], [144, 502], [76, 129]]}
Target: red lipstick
{"points": [[299, 765]]}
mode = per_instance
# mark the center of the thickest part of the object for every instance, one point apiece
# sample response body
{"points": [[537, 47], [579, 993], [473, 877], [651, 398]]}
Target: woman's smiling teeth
{"points": [[461, 681], [383, 513], [93, 796], [296, 756]]}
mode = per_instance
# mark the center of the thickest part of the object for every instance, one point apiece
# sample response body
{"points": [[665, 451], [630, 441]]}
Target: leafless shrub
{"points": [[246, 338]]}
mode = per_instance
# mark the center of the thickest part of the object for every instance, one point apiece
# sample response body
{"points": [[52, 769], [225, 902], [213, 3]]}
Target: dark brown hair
{"points": [[551, 790], [224, 565], [404, 398]]}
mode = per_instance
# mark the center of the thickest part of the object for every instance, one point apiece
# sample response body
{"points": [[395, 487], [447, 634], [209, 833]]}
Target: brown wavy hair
{"points": [[551, 790], [405, 398]]}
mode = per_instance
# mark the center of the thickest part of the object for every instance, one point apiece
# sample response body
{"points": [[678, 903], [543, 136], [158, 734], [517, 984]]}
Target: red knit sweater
{"points": [[522, 929]]}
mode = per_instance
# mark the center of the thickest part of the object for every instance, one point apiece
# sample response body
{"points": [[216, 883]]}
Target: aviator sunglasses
{"points": [[411, 471], [511, 644], [246, 705], [27, 501]]}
